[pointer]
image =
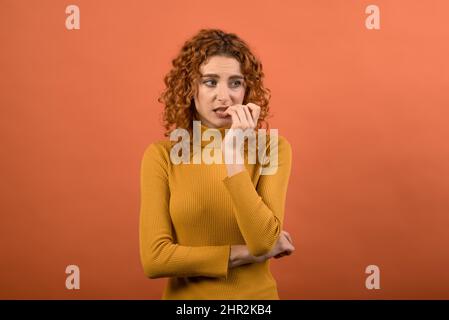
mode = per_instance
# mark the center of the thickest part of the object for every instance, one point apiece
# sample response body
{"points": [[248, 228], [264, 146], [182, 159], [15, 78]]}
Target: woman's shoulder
{"points": [[278, 140], [159, 149], [284, 141], [159, 144], [285, 148]]}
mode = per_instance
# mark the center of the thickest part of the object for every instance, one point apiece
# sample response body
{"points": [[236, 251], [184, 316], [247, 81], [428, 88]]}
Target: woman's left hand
{"points": [[244, 116]]}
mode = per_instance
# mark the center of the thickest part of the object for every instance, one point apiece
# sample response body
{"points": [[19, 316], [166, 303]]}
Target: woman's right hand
{"points": [[283, 247], [240, 254]]}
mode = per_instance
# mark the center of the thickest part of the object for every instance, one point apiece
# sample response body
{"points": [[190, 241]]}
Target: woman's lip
{"points": [[221, 108], [221, 113]]}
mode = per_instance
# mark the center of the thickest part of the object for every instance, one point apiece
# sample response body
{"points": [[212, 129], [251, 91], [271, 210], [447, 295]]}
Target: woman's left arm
{"points": [[260, 210]]}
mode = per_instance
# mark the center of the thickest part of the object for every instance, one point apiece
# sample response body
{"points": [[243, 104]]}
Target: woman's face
{"points": [[221, 85]]}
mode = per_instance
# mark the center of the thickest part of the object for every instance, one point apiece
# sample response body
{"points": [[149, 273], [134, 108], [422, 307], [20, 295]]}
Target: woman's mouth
{"points": [[220, 112]]}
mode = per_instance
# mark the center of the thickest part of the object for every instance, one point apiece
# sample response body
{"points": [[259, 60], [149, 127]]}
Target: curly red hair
{"points": [[181, 82]]}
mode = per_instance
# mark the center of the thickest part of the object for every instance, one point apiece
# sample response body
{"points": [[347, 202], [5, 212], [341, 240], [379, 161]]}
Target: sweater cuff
{"points": [[212, 261]]}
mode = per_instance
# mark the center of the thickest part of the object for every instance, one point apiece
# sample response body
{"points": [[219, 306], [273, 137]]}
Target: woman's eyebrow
{"points": [[213, 75]]}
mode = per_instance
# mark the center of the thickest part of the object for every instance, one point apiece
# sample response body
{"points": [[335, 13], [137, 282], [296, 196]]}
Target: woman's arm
{"points": [[240, 254], [160, 256], [259, 209]]}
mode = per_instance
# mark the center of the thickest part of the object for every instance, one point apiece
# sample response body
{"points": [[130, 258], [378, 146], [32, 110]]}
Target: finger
{"points": [[284, 235], [242, 116], [289, 237], [255, 110], [234, 109], [235, 117], [287, 246], [249, 116]]}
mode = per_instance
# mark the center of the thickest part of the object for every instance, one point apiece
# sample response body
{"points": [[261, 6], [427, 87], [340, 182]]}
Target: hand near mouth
{"points": [[244, 117]]}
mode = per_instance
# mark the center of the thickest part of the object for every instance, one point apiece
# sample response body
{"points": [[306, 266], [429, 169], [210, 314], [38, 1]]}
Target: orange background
{"points": [[366, 112]]}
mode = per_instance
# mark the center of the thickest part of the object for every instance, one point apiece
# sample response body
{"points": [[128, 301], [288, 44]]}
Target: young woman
{"points": [[212, 228]]}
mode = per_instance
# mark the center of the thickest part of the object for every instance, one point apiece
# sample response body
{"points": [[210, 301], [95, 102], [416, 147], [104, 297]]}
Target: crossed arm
{"points": [[259, 214]]}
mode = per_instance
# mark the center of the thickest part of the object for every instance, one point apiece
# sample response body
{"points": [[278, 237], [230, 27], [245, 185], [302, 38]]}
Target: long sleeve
{"points": [[259, 210], [160, 256]]}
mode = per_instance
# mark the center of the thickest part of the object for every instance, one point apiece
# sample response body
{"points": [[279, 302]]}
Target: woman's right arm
{"points": [[240, 254], [160, 256]]}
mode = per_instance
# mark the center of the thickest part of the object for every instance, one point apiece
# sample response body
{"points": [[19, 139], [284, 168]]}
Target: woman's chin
{"points": [[224, 123], [221, 122]]}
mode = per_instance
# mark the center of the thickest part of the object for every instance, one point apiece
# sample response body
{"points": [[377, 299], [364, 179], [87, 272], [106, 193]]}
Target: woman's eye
{"points": [[213, 82], [207, 81]]}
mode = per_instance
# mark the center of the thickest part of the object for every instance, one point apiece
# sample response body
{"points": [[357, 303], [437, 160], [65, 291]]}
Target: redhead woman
{"points": [[213, 228]]}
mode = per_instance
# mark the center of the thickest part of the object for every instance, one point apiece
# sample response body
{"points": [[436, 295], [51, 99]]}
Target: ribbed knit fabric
{"points": [[191, 214]]}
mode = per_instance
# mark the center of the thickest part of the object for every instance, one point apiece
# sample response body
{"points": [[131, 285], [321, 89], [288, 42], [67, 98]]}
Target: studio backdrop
{"points": [[359, 88]]}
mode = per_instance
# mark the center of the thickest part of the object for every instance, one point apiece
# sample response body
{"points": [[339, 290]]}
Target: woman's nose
{"points": [[223, 93]]}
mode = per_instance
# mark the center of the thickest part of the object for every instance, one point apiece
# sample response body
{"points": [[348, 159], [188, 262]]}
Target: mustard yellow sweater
{"points": [[191, 214]]}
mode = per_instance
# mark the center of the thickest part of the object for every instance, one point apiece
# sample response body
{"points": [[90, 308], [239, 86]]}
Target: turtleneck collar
{"points": [[215, 131], [209, 141]]}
